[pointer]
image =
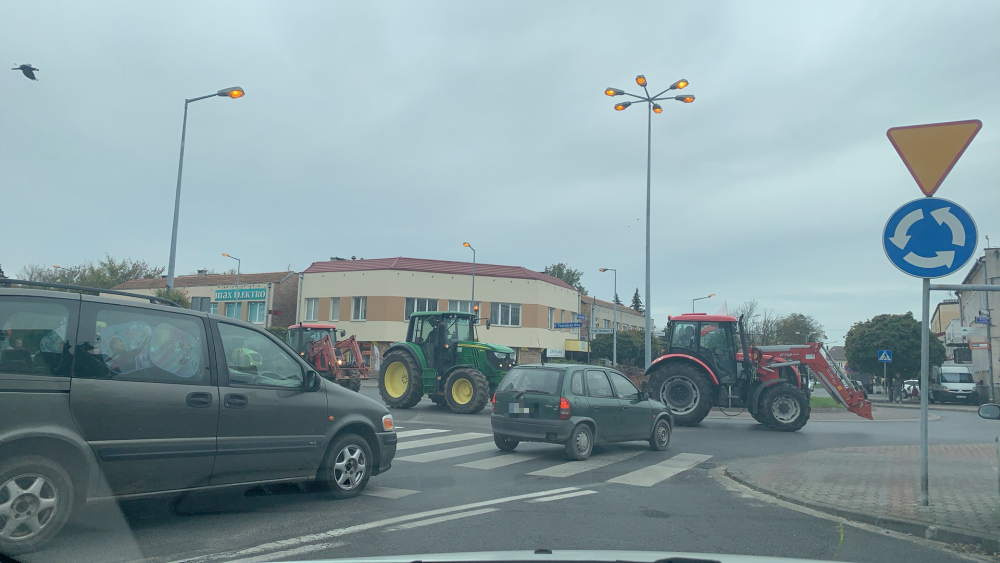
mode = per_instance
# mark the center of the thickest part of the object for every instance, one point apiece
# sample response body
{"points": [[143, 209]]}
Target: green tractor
{"points": [[443, 358]]}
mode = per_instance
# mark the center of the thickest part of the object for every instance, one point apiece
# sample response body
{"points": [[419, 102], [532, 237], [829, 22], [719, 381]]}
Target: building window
{"points": [[505, 314], [334, 308], [461, 306], [607, 323], [201, 303], [214, 308], [360, 310], [552, 318], [312, 309], [257, 312], [417, 304], [233, 310]]}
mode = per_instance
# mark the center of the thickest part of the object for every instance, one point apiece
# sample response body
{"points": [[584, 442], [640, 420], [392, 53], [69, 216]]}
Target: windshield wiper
{"points": [[521, 394]]}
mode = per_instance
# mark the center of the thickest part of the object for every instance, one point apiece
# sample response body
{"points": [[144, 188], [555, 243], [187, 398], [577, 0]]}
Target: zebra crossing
{"points": [[458, 448]]}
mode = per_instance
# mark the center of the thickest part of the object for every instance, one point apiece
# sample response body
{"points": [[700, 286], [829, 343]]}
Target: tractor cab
{"points": [[300, 335], [713, 339], [438, 333]]}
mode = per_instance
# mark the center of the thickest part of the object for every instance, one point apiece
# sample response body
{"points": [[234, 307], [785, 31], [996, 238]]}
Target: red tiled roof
{"points": [[433, 266], [201, 281], [622, 308]]}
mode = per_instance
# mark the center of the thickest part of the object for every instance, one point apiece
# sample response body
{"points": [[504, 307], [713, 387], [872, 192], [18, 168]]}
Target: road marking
{"points": [[420, 432], [441, 440], [338, 532], [577, 467], [653, 474], [564, 495], [387, 492], [501, 460], [439, 519], [290, 552], [445, 454]]}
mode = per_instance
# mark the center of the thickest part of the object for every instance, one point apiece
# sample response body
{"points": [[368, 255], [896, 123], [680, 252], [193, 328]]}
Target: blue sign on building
{"points": [[568, 325], [930, 237]]}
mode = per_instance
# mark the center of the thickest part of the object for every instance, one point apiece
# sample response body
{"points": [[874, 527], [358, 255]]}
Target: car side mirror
{"points": [[990, 412], [643, 396], [311, 381]]}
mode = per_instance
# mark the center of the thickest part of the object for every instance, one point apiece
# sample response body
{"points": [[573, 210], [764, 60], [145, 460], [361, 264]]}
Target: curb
{"points": [[949, 408], [919, 529]]}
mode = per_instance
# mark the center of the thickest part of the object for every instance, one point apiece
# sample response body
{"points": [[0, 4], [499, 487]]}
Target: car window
{"points": [[598, 385], [136, 344], [956, 377], [252, 358], [576, 385], [33, 337], [623, 387], [532, 379]]}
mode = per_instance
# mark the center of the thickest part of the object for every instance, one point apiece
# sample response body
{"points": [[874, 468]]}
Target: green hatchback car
{"points": [[577, 406]]}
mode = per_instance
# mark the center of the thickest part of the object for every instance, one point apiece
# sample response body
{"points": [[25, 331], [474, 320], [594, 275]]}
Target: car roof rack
{"points": [[7, 282]]}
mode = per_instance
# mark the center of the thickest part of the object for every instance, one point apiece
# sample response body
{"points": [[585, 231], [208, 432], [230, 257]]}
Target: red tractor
{"points": [[704, 366], [338, 361]]}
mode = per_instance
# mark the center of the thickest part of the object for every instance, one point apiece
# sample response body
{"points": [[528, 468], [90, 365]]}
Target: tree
{"points": [[617, 301], [637, 303], [899, 333], [798, 329], [176, 295], [2, 276], [761, 324], [566, 274], [631, 347], [107, 273]]}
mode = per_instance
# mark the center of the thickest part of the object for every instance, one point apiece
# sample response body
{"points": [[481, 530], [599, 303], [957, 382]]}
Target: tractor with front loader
{"points": [[708, 362], [339, 361], [443, 359]]}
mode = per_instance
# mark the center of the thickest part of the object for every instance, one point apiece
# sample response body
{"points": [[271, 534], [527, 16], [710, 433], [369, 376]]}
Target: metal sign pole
{"points": [[924, 369]]}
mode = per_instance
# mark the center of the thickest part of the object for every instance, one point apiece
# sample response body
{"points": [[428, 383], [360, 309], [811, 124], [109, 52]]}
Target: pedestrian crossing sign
{"points": [[885, 356]]}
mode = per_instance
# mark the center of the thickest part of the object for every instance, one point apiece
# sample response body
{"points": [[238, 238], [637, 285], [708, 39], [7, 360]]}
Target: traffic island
{"points": [[881, 486]]}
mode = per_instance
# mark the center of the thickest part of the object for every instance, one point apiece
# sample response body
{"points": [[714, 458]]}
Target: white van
{"points": [[953, 382]]}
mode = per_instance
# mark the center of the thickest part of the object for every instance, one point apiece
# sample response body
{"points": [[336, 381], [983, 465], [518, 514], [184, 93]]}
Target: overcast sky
{"points": [[403, 129]]}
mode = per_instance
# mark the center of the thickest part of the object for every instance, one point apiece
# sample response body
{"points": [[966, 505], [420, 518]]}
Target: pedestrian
{"points": [[898, 392]]}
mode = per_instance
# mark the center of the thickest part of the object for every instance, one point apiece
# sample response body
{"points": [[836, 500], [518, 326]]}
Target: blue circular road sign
{"points": [[930, 237]]}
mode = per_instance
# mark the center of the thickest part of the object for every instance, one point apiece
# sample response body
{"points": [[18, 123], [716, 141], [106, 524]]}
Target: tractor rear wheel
{"points": [[785, 408], [401, 382], [466, 391], [685, 389], [353, 383]]}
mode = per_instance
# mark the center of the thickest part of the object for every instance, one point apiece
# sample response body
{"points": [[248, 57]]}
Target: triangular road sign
{"points": [[930, 151], [884, 357]]}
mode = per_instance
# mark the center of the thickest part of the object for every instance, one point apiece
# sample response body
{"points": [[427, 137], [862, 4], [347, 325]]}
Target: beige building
{"points": [[259, 294], [944, 313], [601, 314], [373, 299], [980, 304]]}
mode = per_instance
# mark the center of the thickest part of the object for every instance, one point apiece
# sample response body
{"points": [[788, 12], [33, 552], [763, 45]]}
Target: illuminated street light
{"points": [[709, 296]]}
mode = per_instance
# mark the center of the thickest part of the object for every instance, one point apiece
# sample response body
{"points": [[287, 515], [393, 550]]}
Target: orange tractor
{"points": [[339, 361]]}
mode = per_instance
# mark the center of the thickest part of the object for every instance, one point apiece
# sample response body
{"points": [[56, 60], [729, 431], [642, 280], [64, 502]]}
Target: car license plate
{"points": [[959, 396]]}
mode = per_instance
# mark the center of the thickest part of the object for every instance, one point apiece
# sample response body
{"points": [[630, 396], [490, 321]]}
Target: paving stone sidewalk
{"points": [[881, 485]]}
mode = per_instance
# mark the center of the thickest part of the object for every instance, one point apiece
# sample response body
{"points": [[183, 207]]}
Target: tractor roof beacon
{"points": [[704, 365], [443, 358]]}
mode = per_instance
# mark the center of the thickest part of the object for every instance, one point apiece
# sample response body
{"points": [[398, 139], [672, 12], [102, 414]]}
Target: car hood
{"points": [[570, 556], [486, 346]]}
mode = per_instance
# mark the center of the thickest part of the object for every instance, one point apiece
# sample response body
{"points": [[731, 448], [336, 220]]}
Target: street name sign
{"points": [[930, 237], [568, 325], [930, 151], [582, 317], [983, 320], [885, 356], [601, 330]]}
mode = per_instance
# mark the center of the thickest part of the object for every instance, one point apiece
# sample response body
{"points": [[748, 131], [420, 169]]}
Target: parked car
{"points": [[953, 382], [860, 387], [911, 388], [104, 397], [576, 406]]}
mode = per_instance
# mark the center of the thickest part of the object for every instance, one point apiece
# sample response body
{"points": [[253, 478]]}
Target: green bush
{"points": [[278, 331]]}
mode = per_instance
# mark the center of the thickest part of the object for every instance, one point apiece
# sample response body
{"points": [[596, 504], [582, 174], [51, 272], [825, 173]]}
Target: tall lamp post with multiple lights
{"points": [[652, 107], [709, 296], [232, 93], [614, 323], [472, 305]]}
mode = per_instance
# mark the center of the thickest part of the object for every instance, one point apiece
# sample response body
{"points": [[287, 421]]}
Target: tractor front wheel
{"points": [[685, 389], [466, 391], [785, 408], [400, 384]]}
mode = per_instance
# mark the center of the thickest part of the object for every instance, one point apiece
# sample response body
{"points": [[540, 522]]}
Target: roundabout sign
{"points": [[930, 237]]}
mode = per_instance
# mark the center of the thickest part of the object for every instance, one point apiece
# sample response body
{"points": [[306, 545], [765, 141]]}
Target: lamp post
{"points": [[472, 305], [237, 282], [709, 296], [70, 270], [652, 107], [614, 323], [232, 93]]}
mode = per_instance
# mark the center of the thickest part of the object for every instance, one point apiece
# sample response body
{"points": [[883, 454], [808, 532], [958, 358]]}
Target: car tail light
{"points": [[565, 409], [494, 401]]}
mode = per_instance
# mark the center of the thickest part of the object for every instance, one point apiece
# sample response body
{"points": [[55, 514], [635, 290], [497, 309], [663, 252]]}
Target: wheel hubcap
{"points": [[582, 442], [462, 391], [785, 409], [27, 503], [350, 467], [662, 435], [680, 394], [396, 379]]}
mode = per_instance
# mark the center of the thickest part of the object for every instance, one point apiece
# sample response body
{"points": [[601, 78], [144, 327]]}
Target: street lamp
{"points": [[472, 306], [709, 296], [652, 107], [69, 270], [237, 275], [232, 93], [614, 323]]}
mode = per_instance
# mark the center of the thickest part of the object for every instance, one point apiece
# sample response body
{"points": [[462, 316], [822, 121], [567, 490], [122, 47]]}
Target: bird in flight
{"points": [[28, 70]]}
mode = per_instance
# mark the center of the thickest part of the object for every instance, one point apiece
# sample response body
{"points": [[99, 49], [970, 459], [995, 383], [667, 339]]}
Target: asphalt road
{"points": [[451, 490]]}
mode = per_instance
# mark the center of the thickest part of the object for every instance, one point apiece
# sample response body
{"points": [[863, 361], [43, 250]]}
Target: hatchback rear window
{"points": [[525, 379]]}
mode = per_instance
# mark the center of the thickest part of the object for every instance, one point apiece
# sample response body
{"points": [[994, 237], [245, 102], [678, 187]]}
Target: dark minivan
{"points": [[576, 406], [112, 397]]}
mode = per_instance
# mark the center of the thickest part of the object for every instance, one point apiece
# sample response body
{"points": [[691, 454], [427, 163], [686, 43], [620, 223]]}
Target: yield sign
{"points": [[930, 151]]}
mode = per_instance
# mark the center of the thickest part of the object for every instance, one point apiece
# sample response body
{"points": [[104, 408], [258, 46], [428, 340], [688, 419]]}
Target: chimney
{"points": [[202, 272]]}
